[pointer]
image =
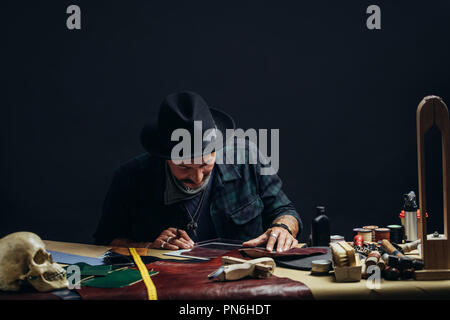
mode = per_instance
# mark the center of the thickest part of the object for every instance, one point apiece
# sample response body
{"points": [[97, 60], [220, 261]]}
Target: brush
{"points": [[343, 254]]}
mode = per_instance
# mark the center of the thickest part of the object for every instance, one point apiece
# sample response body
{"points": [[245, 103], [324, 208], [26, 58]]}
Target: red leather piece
{"points": [[189, 281], [134, 292], [204, 253]]}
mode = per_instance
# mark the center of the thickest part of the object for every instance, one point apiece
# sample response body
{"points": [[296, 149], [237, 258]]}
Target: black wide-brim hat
{"points": [[179, 111]]}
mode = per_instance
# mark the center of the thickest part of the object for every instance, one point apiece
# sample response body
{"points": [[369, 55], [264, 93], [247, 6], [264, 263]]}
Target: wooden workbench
{"points": [[322, 287]]}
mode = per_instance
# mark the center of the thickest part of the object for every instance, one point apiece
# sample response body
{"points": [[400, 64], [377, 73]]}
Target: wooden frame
{"points": [[432, 111]]}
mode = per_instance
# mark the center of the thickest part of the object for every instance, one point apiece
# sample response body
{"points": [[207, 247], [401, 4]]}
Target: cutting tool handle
{"points": [[238, 271]]}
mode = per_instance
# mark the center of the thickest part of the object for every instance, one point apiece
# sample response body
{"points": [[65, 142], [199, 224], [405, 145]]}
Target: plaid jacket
{"points": [[243, 202], [250, 200]]}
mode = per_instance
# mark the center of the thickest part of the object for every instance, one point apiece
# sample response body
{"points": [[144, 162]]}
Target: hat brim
{"points": [[151, 142]]}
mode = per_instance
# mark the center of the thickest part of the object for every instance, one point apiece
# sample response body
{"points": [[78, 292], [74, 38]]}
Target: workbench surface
{"points": [[322, 287]]}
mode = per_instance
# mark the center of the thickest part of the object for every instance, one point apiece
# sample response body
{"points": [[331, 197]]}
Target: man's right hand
{"points": [[172, 239]]}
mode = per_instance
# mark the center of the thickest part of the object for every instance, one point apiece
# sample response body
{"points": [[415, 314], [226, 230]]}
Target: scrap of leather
{"points": [[294, 253], [189, 281], [206, 253]]}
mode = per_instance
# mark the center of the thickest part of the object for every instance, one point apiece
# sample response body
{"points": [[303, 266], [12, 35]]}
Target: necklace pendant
{"points": [[192, 226]]}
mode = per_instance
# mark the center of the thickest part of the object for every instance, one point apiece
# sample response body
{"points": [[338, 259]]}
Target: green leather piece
{"points": [[88, 270], [116, 279]]}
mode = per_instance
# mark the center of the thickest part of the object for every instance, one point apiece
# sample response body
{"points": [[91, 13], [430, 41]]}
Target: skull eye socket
{"points": [[40, 257]]}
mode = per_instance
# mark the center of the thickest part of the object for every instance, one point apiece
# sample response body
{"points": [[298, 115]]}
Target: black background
{"points": [[344, 98]]}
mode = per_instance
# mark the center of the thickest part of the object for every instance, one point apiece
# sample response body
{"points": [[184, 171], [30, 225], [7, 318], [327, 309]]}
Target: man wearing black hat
{"points": [[165, 199]]}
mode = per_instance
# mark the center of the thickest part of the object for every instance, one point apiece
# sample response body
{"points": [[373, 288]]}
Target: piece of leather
{"points": [[189, 281], [296, 252], [206, 253], [115, 279], [303, 263], [88, 270]]}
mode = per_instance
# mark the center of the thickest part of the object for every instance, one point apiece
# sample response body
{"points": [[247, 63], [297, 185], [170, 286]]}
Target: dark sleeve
{"points": [[115, 221], [276, 203]]}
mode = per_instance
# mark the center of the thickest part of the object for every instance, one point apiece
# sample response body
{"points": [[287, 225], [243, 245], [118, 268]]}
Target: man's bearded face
{"points": [[193, 175]]}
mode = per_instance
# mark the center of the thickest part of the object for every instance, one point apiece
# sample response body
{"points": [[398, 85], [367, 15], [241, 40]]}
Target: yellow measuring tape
{"points": [[151, 289]]}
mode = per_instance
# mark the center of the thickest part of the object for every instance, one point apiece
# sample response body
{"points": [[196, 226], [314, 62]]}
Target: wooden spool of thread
{"points": [[372, 258], [396, 235], [381, 264], [356, 230], [382, 233], [371, 228], [366, 234]]}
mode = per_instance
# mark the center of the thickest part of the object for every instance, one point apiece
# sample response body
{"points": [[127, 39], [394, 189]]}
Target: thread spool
{"points": [[381, 264], [396, 235], [392, 272], [364, 274], [358, 240], [371, 228], [336, 238], [371, 261], [406, 268], [382, 233], [375, 254], [372, 258], [366, 234], [355, 231]]}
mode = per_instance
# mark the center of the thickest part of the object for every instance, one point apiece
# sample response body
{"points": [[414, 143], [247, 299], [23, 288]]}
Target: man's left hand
{"points": [[276, 235]]}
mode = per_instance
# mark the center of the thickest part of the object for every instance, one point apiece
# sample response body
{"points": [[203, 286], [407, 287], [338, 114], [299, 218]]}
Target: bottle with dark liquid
{"points": [[320, 229]]}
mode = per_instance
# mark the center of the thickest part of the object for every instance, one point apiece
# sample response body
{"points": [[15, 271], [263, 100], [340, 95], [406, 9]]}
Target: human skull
{"points": [[23, 258]]}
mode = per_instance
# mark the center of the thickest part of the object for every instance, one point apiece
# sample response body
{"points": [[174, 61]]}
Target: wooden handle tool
{"points": [[408, 247], [391, 249]]}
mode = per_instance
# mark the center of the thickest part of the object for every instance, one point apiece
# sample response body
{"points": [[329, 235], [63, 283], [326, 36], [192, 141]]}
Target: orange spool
{"points": [[382, 233]]}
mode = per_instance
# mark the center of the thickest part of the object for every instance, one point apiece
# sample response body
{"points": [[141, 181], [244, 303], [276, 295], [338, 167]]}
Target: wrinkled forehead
{"points": [[195, 162]]}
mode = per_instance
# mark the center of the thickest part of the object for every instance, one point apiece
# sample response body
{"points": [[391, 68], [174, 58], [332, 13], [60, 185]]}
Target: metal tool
{"points": [[235, 268], [410, 209]]}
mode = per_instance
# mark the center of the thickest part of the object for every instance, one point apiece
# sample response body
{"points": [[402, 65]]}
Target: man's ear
{"points": [[210, 158]]}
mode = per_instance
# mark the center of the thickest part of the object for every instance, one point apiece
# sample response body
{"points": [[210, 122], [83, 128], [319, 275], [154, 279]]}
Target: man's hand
{"points": [[277, 235], [280, 236], [173, 239]]}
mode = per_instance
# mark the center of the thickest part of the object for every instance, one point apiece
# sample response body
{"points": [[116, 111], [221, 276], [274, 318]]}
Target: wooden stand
{"points": [[349, 274], [432, 111]]}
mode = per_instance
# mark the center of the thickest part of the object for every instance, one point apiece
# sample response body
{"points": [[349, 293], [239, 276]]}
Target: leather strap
{"points": [[151, 289]]}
